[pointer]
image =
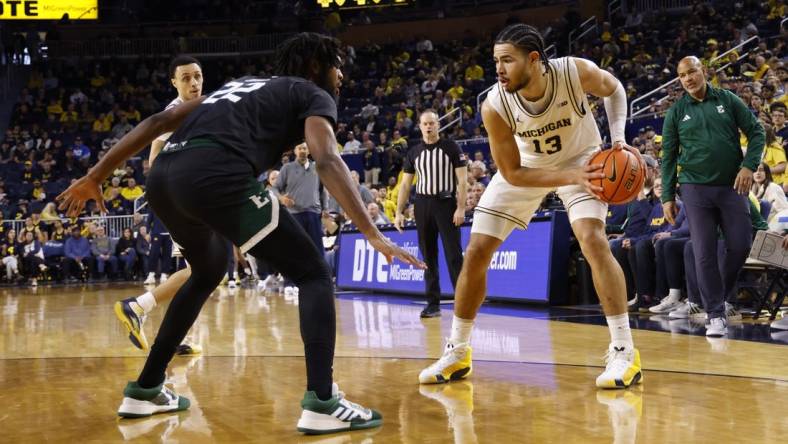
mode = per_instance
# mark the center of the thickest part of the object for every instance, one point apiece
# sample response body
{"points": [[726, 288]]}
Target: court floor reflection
{"points": [[64, 361]]}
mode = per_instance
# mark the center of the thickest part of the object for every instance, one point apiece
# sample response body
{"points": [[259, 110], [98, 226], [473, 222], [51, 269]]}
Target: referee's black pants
{"points": [[197, 195], [434, 216]]}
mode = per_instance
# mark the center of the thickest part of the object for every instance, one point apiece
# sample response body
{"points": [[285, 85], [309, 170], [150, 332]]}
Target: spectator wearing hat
{"points": [[29, 173]]}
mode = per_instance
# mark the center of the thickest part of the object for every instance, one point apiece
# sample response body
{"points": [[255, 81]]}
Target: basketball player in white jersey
{"points": [[542, 133], [186, 76]]}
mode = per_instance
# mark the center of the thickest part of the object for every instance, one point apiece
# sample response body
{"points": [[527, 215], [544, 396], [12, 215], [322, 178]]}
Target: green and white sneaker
{"points": [[338, 414], [139, 402]]}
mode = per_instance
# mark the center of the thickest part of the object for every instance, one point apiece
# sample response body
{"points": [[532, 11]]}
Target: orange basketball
{"points": [[624, 175]]}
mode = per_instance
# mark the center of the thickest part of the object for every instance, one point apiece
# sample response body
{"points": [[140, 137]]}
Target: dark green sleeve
{"points": [[756, 218], [670, 154], [752, 128]]}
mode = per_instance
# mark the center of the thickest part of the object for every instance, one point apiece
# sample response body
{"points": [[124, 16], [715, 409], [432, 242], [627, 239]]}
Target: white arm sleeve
{"points": [[616, 110]]}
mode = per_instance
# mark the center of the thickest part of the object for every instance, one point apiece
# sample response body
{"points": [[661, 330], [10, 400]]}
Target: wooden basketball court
{"points": [[64, 360]]}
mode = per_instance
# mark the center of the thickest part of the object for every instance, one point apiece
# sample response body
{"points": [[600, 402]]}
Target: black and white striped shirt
{"points": [[434, 164]]}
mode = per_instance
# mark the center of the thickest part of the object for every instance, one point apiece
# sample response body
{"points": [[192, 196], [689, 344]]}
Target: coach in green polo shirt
{"points": [[700, 148]]}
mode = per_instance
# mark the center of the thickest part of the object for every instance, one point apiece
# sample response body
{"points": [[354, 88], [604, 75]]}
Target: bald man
{"points": [[715, 180]]}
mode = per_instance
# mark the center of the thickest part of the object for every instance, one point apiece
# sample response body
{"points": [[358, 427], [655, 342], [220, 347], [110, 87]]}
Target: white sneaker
{"points": [[151, 279], [231, 284], [622, 368], [688, 310], [34, 282], [338, 414], [717, 327], [269, 281], [139, 402], [666, 306], [163, 278], [260, 284], [731, 313], [782, 324], [454, 364], [291, 291]]}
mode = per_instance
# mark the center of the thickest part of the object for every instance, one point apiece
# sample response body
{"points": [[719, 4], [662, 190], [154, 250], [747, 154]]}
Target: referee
{"points": [[440, 203]]}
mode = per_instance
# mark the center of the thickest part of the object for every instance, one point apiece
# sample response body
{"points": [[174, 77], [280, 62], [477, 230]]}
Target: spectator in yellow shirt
{"points": [[131, 191], [384, 201], [101, 124], [69, 117], [97, 81], [474, 71], [456, 92], [132, 114], [777, 10], [404, 112], [761, 68], [54, 108], [774, 156], [113, 190]]}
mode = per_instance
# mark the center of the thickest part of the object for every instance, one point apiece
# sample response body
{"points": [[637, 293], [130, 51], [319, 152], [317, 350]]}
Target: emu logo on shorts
{"points": [[260, 203], [720, 109], [259, 216]]}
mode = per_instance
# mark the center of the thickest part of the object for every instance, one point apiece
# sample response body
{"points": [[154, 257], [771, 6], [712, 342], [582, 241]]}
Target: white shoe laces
{"points": [[348, 403], [450, 353], [617, 360]]}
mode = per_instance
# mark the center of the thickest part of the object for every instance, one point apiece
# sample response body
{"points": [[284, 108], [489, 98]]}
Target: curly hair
{"points": [[294, 55]]}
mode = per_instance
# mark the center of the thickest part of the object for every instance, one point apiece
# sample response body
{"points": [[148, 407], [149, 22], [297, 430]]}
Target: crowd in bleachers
{"points": [[69, 115], [657, 257]]}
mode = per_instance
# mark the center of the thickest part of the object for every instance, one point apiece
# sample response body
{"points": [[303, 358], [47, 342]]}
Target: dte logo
{"points": [[364, 263], [16, 7]]}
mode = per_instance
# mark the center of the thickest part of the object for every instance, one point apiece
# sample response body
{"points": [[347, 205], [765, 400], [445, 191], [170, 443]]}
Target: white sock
{"points": [[620, 334], [147, 302], [461, 330], [674, 294]]}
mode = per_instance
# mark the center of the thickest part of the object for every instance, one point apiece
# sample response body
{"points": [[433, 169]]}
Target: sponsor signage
{"points": [[48, 9], [529, 266]]}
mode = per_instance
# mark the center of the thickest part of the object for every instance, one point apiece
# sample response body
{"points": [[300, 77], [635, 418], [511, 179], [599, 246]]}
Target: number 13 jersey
{"points": [[564, 130]]}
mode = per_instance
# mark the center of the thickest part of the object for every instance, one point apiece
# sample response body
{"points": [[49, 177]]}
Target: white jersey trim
{"points": [[175, 102]]}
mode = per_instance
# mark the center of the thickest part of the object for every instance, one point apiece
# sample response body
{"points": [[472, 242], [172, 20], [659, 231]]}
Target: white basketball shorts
{"points": [[504, 207]]}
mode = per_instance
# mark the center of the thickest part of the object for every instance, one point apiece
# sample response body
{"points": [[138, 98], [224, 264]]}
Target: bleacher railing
{"points": [[633, 112], [457, 119], [114, 225], [165, 47], [585, 28], [613, 7], [659, 5]]}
